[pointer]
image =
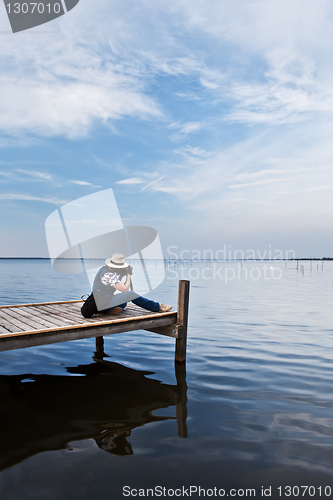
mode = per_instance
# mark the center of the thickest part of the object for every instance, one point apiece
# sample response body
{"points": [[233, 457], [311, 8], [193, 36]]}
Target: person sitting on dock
{"points": [[107, 281]]}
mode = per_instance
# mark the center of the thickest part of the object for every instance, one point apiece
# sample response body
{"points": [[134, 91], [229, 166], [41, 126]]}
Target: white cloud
{"points": [[18, 175], [281, 173], [320, 188], [190, 150], [275, 61], [63, 83], [27, 197], [257, 183], [84, 183], [249, 176], [131, 181], [184, 129], [36, 174], [6, 175], [270, 61], [58, 107]]}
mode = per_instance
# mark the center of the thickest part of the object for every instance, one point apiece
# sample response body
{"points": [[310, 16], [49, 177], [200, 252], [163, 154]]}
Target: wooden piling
{"points": [[99, 353], [182, 320], [181, 406]]}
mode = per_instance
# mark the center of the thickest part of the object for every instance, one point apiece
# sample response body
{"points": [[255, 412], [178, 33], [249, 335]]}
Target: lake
{"points": [[258, 391]]}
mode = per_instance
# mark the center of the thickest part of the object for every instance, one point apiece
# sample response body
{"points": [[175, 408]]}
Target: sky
{"points": [[211, 120]]}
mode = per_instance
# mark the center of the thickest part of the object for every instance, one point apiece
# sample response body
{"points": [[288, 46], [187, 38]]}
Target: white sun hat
{"points": [[117, 261]]}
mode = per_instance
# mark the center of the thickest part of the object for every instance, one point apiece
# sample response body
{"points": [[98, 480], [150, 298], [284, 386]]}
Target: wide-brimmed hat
{"points": [[117, 261]]}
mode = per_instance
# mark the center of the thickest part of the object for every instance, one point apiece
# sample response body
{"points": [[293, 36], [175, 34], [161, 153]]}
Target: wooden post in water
{"points": [[99, 348], [182, 319], [181, 405]]}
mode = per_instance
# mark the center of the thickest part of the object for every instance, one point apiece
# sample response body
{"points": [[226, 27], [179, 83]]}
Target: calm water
{"points": [[259, 396]]}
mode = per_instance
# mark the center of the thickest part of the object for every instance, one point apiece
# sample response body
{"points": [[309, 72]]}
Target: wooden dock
{"points": [[29, 325]]}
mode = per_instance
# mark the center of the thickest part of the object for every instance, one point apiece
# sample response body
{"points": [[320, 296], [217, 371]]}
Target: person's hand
{"points": [[130, 270]]}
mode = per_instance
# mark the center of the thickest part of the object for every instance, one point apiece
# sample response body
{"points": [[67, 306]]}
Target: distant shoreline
{"points": [[191, 260]]}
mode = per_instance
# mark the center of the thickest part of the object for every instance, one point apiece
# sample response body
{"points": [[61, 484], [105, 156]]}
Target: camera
{"points": [[129, 270]]}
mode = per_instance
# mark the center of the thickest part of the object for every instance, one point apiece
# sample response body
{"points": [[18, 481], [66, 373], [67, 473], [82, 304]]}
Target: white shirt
{"points": [[111, 279]]}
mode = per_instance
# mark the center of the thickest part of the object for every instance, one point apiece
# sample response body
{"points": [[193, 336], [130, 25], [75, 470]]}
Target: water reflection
{"points": [[104, 402]]}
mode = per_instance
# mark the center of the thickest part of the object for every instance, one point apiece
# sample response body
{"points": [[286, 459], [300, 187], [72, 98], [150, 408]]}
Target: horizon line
{"points": [[168, 259]]}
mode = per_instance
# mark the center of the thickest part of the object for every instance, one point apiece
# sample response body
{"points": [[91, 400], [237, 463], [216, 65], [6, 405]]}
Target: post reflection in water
{"points": [[41, 413]]}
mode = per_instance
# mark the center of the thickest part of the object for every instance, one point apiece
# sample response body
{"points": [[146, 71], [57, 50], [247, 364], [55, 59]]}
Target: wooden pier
{"points": [[30, 325]]}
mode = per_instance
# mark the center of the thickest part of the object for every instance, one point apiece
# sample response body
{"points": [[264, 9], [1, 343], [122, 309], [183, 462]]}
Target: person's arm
{"points": [[124, 288]]}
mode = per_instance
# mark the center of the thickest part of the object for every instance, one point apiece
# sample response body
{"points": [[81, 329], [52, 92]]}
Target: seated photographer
{"points": [[109, 279]]}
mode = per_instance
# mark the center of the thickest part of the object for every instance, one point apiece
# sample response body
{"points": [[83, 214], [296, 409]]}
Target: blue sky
{"points": [[211, 120]]}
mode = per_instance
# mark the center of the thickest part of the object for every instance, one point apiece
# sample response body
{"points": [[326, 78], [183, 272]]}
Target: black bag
{"points": [[89, 307]]}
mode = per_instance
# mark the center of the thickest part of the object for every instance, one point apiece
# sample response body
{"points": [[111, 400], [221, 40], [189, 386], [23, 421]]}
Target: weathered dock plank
{"points": [[3, 330], [9, 326], [13, 324], [44, 317], [23, 318], [67, 316]]}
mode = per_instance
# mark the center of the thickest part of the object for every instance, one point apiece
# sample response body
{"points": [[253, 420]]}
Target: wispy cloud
{"points": [[257, 183], [151, 183], [84, 183], [189, 150], [184, 129], [47, 92], [27, 197], [275, 180], [131, 181], [36, 174], [249, 176], [20, 175], [6, 175], [320, 188], [59, 107]]}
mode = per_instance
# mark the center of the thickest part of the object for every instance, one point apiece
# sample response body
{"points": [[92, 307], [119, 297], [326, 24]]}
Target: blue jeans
{"points": [[150, 305]]}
